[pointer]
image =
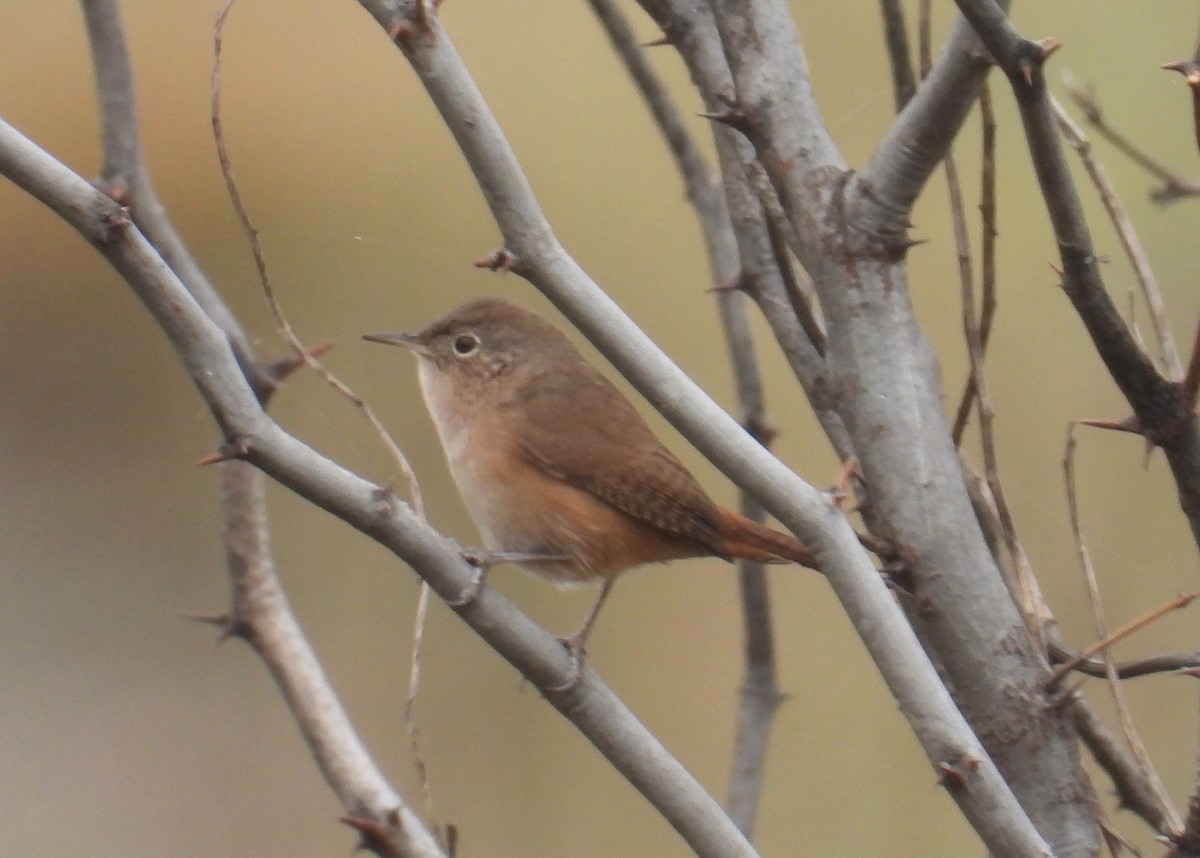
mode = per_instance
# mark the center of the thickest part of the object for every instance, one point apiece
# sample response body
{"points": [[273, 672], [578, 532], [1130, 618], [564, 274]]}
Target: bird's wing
{"points": [[601, 445]]}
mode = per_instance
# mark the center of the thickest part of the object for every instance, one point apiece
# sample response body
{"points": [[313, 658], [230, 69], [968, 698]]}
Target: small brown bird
{"points": [[556, 466]]}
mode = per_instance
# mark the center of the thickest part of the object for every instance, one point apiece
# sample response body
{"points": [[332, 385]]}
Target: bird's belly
{"points": [[512, 518]]}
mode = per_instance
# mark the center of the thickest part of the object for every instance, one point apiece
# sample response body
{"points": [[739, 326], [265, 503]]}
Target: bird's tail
{"points": [[749, 540]]}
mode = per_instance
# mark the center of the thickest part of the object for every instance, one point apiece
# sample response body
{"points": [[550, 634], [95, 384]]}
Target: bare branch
{"points": [[1160, 404], [210, 363], [259, 612], [900, 166], [263, 617], [763, 277], [126, 179], [1130, 669], [853, 240]]}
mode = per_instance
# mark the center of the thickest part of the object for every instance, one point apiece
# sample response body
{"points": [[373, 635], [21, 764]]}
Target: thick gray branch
{"points": [[887, 383]]}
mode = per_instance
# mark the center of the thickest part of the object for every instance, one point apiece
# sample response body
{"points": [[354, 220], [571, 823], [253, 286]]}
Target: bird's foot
{"points": [[482, 561], [575, 647]]}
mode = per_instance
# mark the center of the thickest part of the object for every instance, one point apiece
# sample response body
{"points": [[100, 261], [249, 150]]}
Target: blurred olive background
{"points": [[127, 730]]}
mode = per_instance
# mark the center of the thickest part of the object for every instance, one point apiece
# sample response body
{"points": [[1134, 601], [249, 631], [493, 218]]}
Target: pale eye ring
{"points": [[465, 345]]}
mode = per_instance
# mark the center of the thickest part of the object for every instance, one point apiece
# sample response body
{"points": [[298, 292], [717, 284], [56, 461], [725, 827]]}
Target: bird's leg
{"points": [[483, 561], [576, 642]]}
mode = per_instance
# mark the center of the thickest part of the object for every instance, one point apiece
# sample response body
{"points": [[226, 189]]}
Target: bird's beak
{"points": [[412, 342]]}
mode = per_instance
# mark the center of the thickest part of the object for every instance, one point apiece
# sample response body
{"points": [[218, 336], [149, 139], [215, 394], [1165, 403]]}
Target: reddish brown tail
{"points": [[748, 540]]}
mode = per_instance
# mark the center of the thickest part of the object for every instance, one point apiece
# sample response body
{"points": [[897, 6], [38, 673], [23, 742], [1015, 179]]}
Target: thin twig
{"points": [[1116, 841], [987, 251], [310, 359], [1157, 402], [1132, 244], [798, 289], [410, 703], [925, 40], [797, 286], [1028, 594], [1180, 601], [1129, 669], [1174, 186], [1172, 823], [281, 323]]}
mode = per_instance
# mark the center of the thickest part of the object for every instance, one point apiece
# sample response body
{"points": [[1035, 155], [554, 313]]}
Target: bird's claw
{"points": [[474, 587], [574, 645]]}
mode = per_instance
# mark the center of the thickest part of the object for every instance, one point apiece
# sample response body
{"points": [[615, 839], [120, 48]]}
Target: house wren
{"points": [[556, 466]]}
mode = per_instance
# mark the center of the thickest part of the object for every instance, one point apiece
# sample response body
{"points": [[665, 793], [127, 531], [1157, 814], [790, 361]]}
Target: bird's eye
{"points": [[466, 345]]}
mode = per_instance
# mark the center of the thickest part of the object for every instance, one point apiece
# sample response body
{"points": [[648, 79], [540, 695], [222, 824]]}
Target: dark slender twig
{"points": [[1191, 380], [1027, 592], [1074, 661], [1130, 669], [1174, 186], [895, 39], [797, 286], [1189, 842]]}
